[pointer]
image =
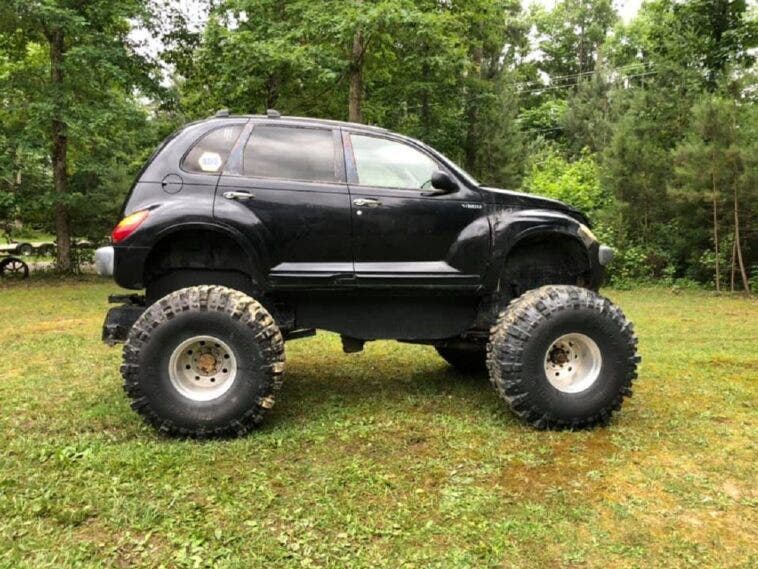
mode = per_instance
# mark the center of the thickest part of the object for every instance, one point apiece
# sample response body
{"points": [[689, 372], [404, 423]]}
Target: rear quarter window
{"points": [[210, 152]]}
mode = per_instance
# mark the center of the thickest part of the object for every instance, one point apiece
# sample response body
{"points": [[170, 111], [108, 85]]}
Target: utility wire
{"points": [[623, 67], [567, 85]]}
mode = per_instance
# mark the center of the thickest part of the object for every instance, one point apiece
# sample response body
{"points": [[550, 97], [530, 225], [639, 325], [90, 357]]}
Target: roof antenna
{"points": [[273, 114], [222, 113]]}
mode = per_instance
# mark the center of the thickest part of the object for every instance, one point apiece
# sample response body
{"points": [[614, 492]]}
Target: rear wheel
{"points": [[466, 359], [563, 357], [203, 361]]}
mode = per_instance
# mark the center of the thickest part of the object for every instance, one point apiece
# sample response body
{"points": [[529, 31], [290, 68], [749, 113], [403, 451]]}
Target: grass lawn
{"points": [[385, 458]]}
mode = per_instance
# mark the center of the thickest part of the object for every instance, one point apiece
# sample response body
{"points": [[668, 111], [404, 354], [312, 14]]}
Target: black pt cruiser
{"points": [[248, 231]]}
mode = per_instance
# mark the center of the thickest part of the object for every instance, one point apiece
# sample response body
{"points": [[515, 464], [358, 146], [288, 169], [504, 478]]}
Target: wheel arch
{"points": [[542, 255], [225, 248]]}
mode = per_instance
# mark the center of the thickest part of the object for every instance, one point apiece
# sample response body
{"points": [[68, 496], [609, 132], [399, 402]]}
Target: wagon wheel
{"points": [[13, 268]]}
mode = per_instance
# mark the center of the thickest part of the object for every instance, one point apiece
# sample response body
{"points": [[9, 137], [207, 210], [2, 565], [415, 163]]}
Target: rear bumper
{"points": [[125, 264], [129, 266], [104, 261]]}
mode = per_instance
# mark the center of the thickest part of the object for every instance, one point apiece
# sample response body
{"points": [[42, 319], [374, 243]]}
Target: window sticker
{"points": [[209, 161]]}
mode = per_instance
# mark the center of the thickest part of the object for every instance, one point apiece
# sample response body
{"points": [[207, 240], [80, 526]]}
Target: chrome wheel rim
{"points": [[573, 362], [202, 368]]}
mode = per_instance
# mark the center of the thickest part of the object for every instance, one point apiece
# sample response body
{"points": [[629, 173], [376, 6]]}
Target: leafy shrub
{"points": [[576, 183]]}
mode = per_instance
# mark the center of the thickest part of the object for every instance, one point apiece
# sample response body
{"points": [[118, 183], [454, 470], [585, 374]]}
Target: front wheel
{"points": [[563, 357], [203, 361]]}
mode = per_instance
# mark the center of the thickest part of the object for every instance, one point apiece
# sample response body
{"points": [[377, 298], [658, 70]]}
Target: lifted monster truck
{"points": [[247, 231]]}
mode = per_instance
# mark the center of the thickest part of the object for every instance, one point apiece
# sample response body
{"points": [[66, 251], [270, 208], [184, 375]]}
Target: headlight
{"points": [[586, 234]]}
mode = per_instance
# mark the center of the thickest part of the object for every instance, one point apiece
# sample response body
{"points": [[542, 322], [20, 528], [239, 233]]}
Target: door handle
{"points": [[367, 202], [238, 195]]}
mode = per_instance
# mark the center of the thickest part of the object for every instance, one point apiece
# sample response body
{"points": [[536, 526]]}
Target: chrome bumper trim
{"points": [[104, 261]]}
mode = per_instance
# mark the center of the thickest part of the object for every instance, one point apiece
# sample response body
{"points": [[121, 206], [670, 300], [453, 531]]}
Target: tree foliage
{"points": [[635, 122], [73, 124]]}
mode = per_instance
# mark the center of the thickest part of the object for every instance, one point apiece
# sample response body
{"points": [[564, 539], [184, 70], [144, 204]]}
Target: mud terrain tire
{"points": [[203, 361], [563, 357]]}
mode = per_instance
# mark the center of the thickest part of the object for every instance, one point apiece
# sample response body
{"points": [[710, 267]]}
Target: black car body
{"points": [[328, 225]]}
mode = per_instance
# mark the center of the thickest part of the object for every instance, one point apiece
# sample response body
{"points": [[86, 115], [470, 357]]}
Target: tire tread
{"points": [[206, 298], [514, 328]]}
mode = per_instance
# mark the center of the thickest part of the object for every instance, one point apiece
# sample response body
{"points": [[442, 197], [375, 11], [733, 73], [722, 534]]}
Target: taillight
{"points": [[128, 225]]}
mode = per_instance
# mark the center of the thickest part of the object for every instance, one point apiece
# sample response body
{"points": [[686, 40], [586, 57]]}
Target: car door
{"points": [[285, 190], [404, 234]]}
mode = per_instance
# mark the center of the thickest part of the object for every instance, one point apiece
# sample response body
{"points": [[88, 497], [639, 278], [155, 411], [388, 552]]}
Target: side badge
{"points": [[472, 206]]}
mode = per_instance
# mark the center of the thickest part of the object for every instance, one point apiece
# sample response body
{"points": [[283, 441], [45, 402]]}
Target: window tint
{"points": [[290, 154], [391, 164], [210, 153]]}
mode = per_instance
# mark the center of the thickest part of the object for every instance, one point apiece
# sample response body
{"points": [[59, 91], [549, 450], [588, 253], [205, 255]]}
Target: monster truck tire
{"points": [[466, 360], [203, 361], [563, 357]]}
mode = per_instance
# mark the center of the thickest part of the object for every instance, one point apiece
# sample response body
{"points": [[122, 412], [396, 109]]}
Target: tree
{"points": [[713, 163], [91, 65], [587, 122], [409, 65], [570, 36]]}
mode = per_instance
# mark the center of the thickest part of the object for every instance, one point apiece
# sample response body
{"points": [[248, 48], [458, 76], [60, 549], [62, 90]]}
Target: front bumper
{"points": [[605, 255], [104, 257]]}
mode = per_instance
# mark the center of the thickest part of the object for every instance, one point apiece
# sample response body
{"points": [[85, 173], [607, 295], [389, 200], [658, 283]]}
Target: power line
{"points": [[541, 130], [623, 67], [566, 86]]}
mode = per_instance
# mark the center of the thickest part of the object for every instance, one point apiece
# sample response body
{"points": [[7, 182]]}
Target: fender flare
{"points": [[511, 229], [254, 260], [545, 230]]}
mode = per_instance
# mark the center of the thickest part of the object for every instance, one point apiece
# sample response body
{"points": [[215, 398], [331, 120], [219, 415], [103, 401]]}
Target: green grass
{"points": [[384, 458]]}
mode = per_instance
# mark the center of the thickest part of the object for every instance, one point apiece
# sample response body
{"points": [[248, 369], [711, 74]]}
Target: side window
{"points": [[390, 164], [210, 153], [290, 153]]}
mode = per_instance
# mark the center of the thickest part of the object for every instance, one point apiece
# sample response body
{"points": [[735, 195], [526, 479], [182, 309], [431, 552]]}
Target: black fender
{"points": [[253, 266], [511, 226], [470, 250], [132, 259]]}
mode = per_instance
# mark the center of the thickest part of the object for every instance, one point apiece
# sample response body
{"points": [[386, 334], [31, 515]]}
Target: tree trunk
{"points": [[59, 152], [426, 120], [272, 90], [356, 78], [734, 266], [472, 112], [740, 262], [582, 52], [716, 232]]}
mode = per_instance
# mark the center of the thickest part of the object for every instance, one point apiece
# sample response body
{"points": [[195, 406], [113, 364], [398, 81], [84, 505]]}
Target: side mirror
{"points": [[444, 183]]}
